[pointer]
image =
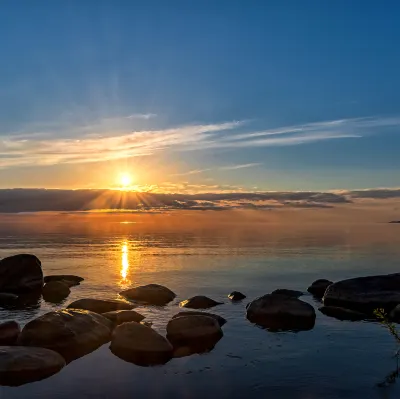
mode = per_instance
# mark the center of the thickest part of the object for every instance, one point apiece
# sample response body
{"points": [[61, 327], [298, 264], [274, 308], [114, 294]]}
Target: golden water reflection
{"points": [[124, 262]]}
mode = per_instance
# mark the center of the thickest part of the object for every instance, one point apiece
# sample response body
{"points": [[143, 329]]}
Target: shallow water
{"points": [[336, 359]]}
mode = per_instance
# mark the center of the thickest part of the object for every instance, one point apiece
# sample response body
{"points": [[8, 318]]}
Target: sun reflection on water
{"points": [[124, 262]]}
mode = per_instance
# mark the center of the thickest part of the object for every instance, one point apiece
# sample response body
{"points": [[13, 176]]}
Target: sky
{"points": [[200, 96]]}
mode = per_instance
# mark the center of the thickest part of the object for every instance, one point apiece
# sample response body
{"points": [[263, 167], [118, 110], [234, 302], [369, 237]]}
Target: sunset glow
{"points": [[125, 180]]}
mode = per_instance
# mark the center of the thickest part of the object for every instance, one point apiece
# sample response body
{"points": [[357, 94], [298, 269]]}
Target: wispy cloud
{"points": [[241, 166], [116, 138], [191, 172]]}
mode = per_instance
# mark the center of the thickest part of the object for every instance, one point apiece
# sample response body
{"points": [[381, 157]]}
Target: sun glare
{"points": [[125, 180]]}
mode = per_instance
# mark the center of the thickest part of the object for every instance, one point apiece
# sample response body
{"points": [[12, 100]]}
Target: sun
{"points": [[125, 180]]}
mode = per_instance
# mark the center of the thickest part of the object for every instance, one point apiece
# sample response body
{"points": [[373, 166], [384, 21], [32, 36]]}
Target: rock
{"points": [[196, 333], [152, 294], [55, 291], [318, 287], [100, 305], [70, 332], [139, 344], [118, 317], [395, 221], [365, 293], [68, 279], [221, 321], [199, 302], [395, 314], [7, 298], [281, 312], [20, 273], [21, 365], [9, 332], [342, 313], [284, 291], [236, 296]]}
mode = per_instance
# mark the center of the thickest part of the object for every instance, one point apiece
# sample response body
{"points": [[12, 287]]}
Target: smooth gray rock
{"points": [[9, 332], [68, 279], [318, 287], [342, 313], [100, 305], [139, 344], [221, 321], [70, 332], [284, 291], [118, 317], [153, 294], [199, 302], [281, 312], [236, 296], [20, 273], [55, 291], [21, 365], [365, 294]]}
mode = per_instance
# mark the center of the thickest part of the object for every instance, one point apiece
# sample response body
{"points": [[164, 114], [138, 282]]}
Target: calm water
{"points": [[336, 359]]}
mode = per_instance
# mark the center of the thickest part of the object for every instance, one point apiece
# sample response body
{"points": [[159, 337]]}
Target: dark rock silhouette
{"points": [[118, 317], [342, 313], [281, 312], [100, 305], [20, 273], [9, 332], [55, 291], [6, 298], [199, 302], [67, 279], [153, 294], [318, 287], [284, 291], [70, 332], [236, 296], [221, 321], [141, 345], [21, 365], [395, 314]]}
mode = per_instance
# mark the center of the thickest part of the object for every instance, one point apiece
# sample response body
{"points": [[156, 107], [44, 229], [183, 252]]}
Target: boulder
{"points": [[100, 305], [221, 321], [55, 291], [318, 287], [152, 294], [199, 302], [6, 298], [284, 291], [196, 333], [342, 313], [68, 279], [395, 314], [21, 365], [139, 344], [20, 273], [70, 332], [281, 312], [9, 332], [118, 317], [365, 294], [236, 296]]}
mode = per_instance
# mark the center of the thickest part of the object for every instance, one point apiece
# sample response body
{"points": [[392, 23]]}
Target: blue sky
{"points": [[200, 95]]}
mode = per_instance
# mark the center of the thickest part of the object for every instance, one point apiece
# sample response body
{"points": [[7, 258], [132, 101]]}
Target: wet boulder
{"points": [[70, 332], [318, 287], [21, 365], [152, 294], [236, 296], [221, 321], [284, 291], [118, 317], [68, 279], [199, 302], [6, 298], [20, 273], [365, 294], [55, 291], [281, 312], [342, 313], [100, 305], [9, 332], [140, 344]]}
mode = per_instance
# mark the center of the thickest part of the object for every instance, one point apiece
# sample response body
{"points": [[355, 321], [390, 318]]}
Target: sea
{"points": [[336, 359]]}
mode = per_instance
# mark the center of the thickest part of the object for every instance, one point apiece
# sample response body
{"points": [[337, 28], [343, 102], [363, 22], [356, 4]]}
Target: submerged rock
{"points": [[199, 302], [139, 344], [21, 365], [9, 332], [365, 293], [118, 317], [153, 294], [55, 291], [236, 296], [67, 279], [221, 321], [318, 287], [342, 313], [284, 291], [281, 312], [20, 273], [196, 333], [70, 332], [100, 305]]}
